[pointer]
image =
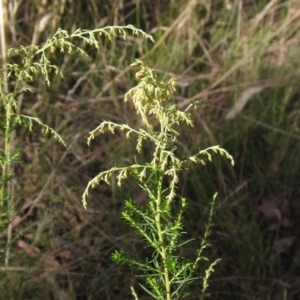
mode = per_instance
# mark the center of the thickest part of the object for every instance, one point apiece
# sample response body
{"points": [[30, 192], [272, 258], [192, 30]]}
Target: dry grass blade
{"points": [[242, 101], [260, 16], [179, 21]]}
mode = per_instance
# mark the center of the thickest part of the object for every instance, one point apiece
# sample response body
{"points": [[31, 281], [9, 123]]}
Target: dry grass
{"points": [[217, 49]]}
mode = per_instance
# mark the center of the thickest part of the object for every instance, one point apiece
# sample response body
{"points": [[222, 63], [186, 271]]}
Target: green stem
{"points": [[3, 91], [6, 170], [163, 251], [2, 190], [5, 164]]}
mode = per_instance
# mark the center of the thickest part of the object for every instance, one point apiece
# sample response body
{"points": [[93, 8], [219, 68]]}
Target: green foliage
{"points": [[28, 63], [166, 273]]}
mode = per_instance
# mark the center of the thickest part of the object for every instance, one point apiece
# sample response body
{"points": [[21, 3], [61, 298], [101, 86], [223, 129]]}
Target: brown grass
{"points": [[217, 50]]}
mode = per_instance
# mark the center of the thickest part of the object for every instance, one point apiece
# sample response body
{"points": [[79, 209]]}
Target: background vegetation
{"points": [[242, 57]]}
